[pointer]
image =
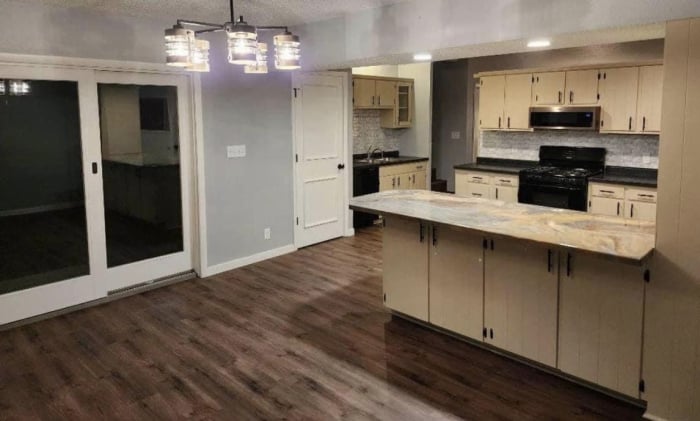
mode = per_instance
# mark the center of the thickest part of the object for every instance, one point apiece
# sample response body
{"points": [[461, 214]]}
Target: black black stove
{"points": [[561, 179]]}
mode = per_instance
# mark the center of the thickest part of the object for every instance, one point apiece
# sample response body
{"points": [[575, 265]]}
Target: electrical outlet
{"points": [[235, 151], [267, 233], [456, 135]]}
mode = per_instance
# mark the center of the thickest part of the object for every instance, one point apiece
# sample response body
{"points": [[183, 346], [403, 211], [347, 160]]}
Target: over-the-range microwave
{"points": [[565, 118]]}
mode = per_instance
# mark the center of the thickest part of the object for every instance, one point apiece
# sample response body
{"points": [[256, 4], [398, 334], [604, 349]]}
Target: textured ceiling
{"points": [[258, 12]]}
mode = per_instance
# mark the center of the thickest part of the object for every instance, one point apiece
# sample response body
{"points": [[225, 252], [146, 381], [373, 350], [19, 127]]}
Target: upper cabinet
{"points": [[517, 101], [548, 88], [651, 80], [629, 96], [618, 99], [393, 96], [582, 87], [491, 101]]}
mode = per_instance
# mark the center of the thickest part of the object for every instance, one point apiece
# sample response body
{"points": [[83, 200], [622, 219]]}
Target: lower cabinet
{"points": [[600, 321], [521, 299], [457, 281], [405, 254]]}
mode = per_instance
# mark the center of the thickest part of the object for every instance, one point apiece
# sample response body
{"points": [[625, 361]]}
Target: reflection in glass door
{"points": [[141, 172], [43, 228]]}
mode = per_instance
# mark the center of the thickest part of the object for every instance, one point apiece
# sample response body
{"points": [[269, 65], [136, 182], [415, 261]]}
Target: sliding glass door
{"points": [[95, 185]]}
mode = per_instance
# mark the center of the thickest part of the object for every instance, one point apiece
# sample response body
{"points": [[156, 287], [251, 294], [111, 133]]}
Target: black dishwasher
{"points": [[365, 181]]}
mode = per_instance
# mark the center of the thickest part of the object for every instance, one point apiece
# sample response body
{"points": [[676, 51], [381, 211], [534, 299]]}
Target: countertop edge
{"points": [[623, 259]]}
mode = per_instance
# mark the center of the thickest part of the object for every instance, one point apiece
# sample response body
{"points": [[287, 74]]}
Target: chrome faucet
{"points": [[371, 152]]}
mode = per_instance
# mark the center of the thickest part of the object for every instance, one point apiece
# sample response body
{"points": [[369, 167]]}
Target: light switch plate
{"points": [[456, 135], [235, 151]]}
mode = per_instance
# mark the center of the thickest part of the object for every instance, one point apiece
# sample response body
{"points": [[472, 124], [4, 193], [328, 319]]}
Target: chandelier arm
{"points": [[264, 28], [198, 23]]}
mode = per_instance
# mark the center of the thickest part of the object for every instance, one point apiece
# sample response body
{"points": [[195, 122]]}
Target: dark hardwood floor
{"points": [[302, 336]]}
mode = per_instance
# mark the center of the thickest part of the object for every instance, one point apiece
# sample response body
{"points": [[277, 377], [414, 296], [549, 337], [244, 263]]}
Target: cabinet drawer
{"points": [[402, 168], [478, 178], [641, 195], [482, 191], [505, 180], [607, 190]]}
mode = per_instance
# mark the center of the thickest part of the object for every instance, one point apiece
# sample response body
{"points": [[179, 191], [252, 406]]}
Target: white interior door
{"points": [[146, 157], [320, 139]]}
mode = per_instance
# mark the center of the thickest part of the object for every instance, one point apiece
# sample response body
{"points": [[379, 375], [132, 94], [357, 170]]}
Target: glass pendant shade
{"points": [[287, 52], [200, 56], [242, 51], [19, 88], [241, 30], [179, 43], [2, 87], [260, 65]]}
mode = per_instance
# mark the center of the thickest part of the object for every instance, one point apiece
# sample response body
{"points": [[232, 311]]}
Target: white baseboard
{"points": [[40, 209], [350, 232], [648, 416], [249, 260]]}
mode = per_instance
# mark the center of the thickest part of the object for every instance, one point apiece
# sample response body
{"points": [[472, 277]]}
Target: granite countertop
{"points": [[395, 160], [642, 177], [505, 166], [626, 240], [146, 160]]}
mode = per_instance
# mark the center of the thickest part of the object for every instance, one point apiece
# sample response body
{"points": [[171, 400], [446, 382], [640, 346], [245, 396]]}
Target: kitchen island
{"points": [[561, 289]]}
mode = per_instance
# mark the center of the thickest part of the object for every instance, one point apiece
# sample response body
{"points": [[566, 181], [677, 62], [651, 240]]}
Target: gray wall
{"points": [[246, 195], [452, 99], [243, 195]]}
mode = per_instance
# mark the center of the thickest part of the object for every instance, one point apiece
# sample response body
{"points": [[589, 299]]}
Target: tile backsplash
{"points": [[367, 131], [624, 150]]}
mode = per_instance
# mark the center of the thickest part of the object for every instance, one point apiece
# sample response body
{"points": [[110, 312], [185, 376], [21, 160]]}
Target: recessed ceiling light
{"points": [[539, 43], [422, 57]]}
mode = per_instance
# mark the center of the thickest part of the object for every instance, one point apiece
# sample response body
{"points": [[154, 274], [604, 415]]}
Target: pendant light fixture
{"points": [[184, 50]]}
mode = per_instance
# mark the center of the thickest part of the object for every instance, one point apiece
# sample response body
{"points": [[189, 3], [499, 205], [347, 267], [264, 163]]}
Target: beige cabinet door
{"points": [[387, 182], [491, 101], [405, 253], [582, 87], [385, 93], [600, 321], [457, 281], [363, 93], [517, 101], [506, 194], [548, 88], [521, 297], [618, 99], [651, 79], [605, 206], [420, 181], [641, 211], [404, 181]]}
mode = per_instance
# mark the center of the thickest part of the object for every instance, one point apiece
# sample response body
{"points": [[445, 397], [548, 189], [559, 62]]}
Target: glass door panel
{"points": [[140, 139], [43, 226]]}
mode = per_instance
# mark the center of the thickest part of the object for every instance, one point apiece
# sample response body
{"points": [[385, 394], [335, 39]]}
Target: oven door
{"points": [[562, 197]]}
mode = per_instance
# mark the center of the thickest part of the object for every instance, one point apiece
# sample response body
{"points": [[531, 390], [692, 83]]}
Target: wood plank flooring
{"points": [[300, 337]]}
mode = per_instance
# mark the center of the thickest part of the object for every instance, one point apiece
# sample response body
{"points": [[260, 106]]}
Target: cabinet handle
{"points": [[491, 332], [499, 122], [607, 191], [393, 181], [568, 264], [571, 97], [505, 181], [618, 208], [559, 98], [434, 236], [496, 193], [399, 181], [477, 178], [414, 179], [646, 195], [372, 99], [476, 194], [421, 234], [549, 261], [379, 100], [644, 123], [632, 211], [509, 122], [630, 127]]}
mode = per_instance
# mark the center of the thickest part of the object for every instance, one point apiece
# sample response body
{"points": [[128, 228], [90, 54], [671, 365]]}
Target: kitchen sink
{"points": [[375, 160]]}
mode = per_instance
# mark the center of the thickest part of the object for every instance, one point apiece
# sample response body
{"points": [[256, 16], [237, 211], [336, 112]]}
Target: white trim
{"points": [[199, 173], [648, 416], [350, 232], [87, 63], [40, 209], [249, 260]]}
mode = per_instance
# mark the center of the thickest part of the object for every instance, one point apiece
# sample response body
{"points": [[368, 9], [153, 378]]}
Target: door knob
{"points": [[341, 166]]}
